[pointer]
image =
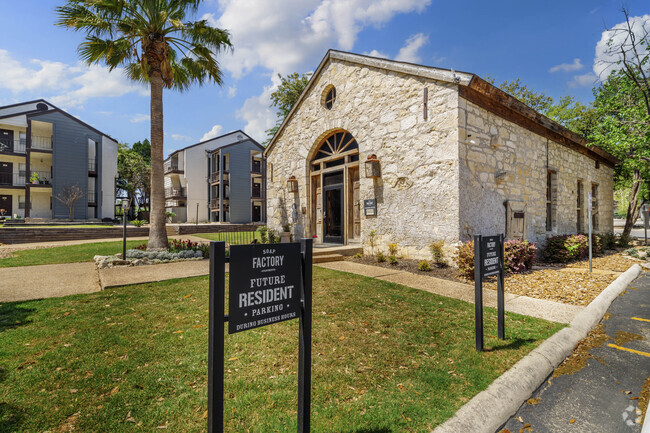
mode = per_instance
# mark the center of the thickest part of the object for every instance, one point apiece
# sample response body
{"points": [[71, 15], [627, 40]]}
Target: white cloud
{"points": [[258, 114], [138, 118], [588, 79], [214, 132], [567, 67], [409, 52], [232, 91], [375, 53], [285, 35], [179, 137], [62, 84], [604, 62]]}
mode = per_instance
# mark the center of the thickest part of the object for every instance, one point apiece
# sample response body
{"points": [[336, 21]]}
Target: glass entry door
{"points": [[333, 207]]}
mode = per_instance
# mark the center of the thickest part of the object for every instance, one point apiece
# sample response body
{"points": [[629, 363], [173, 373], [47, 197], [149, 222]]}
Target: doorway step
{"points": [[328, 253]]}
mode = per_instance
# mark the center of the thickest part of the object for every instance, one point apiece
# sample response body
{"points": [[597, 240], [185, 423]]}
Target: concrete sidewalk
{"points": [[53, 244], [540, 308]]}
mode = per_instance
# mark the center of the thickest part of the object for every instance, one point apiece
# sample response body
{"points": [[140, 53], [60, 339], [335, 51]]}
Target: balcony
{"points": [[11, 179], [42, 178], [172, 167], [256, 167], [256, 192], [174, 193], [41, 143], [214, 177], [12, 146], [214, 205]]}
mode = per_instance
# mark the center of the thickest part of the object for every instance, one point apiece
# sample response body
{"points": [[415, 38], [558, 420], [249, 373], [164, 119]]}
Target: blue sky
{"points": [[551, 46]]}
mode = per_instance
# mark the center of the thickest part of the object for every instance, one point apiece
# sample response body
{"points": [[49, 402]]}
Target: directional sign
{"points": [[265, 285]]}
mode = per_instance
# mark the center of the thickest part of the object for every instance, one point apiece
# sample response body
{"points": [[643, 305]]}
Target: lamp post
{"points": [[125, 209]]}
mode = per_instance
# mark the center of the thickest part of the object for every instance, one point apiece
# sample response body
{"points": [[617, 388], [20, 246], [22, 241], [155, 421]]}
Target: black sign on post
{"points": [[488, 260], [269, 283], [264, 285]]}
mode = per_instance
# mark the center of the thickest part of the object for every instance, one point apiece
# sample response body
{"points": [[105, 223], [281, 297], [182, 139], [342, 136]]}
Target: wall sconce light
{"points": [[292, 184], [373, 169]]}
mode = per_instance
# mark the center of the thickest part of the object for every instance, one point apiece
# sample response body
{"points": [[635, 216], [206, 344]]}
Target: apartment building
{"points": [[217, 180], [43, 152]]}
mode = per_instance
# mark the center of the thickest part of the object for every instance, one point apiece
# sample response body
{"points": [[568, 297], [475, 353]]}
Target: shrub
{"points": [[274, 236], [139, 223], [205, 250], [176, 245], [518, 257], [424, 266], [264, 234], [371, 239], [358, 255], [624, 241], [608, 241], [392, 260], [596, 244], [465, 260], [437, 254], [566, 248], [392, 249], [380, 257]]}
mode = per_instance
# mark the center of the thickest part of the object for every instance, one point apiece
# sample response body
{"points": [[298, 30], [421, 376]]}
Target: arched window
{"points": [[336, 144], [330, 97]]}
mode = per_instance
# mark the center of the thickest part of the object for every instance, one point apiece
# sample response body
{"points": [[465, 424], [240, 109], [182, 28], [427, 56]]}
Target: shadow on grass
{"points": [[11, 418], [13, 315], [372, 430], [513, 345]]}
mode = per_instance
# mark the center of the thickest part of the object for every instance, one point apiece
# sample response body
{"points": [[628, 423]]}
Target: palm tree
{"points": [[154, 43]]}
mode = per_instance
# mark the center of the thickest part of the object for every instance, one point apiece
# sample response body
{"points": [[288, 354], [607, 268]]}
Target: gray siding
{"points": [[240, 181], [70, 161]]}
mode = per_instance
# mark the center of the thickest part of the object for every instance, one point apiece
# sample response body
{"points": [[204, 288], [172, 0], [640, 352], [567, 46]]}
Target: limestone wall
{"points": [[502, 161], [417, 194]]}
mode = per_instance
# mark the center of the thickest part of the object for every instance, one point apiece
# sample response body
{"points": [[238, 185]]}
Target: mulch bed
{"points": [[565, 283]]}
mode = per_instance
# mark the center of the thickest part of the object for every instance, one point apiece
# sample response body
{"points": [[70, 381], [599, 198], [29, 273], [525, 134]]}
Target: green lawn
{"points": [[233, 238], [386, 358], [62, 226], [67, 254]]}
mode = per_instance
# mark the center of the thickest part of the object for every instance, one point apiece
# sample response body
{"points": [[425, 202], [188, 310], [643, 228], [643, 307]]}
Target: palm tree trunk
{"points": [[157, 230], [633, 207]]}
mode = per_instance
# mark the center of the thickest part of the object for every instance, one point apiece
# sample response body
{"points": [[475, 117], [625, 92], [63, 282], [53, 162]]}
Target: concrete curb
{"points": [[490, 409]]}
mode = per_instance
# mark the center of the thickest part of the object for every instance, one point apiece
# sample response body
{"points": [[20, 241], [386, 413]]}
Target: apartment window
{"points": [[551, 199], [594, 207], [579, 207], [21, 202]]}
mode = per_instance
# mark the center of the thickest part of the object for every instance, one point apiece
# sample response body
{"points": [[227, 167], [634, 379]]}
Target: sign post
{"points": [[644, 210], [488, 260], [589, 197], [269, 283]]}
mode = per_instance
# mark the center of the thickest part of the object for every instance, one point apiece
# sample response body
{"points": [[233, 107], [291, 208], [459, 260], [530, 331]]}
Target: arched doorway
{"points": [[334, 173]]}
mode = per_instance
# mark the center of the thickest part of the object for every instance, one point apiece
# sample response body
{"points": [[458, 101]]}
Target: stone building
{"points": [[378, 151]]}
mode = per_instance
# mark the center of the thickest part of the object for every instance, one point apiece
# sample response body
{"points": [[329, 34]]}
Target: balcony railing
{"points": [[172, 167], [92, 164], [12, 179], [214, 176], [40, 178], [214, 205], [174, 192], [42, 143], [12, 146]]}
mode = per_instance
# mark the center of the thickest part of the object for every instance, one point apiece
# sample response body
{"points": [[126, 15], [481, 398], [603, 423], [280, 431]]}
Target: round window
{"points": [[330, 97]]}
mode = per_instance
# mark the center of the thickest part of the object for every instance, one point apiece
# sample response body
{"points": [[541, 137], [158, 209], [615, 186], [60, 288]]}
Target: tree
{"points": [[568, 112], [157, 46], [623, 106], [285, 97], [134, 172], [69, 196]]}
